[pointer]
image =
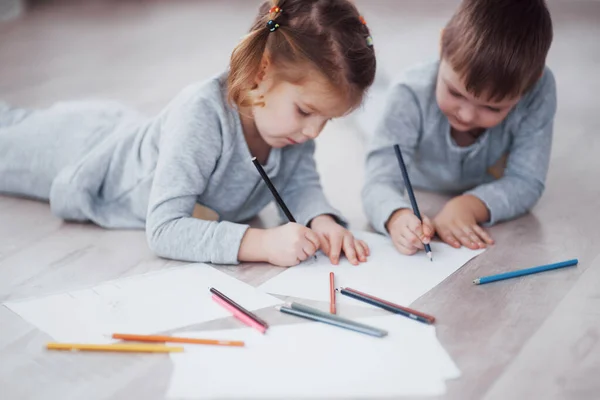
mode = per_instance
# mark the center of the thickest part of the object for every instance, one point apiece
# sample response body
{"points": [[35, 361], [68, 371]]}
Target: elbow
{"points": [[155, 240]]}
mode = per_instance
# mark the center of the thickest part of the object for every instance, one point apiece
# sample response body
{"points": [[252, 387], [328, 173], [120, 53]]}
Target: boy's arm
{"points": [[524, 178], [383, 192], [303, 194], [189, 148]]}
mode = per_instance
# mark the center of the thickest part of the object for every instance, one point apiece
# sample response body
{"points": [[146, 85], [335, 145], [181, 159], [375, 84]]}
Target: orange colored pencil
{"points": [[331, 293], [175, 339]]}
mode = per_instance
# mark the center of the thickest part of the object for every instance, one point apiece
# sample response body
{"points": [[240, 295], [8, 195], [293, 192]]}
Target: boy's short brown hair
{"points": [[498, 47]]}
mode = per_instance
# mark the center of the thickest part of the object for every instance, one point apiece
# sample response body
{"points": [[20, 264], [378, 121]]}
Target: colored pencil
{"points": [[239, 307], [131, 348], [313, 314], [389, 306], [332, 293], [522, 272], [239, 315], [175, 339], [411, 194], [276, 195], [278, 198]]}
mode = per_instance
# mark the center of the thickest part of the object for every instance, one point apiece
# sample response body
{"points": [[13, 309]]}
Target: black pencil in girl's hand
{"points": [[411, 194], [278, 198]]}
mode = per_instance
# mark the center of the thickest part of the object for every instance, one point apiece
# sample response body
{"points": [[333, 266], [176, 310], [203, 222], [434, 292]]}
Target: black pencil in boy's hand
{"points": [[411, 194]]}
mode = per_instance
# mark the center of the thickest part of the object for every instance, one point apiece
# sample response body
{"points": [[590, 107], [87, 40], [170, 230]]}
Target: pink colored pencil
{"points": [[239, 315]]}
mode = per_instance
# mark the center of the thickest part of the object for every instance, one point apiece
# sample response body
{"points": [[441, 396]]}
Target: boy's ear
{"points": [[262, 71], [441, 36]]}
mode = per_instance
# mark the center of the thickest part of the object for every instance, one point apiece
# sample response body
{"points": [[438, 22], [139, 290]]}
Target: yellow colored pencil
{"points": [[132, 348]]}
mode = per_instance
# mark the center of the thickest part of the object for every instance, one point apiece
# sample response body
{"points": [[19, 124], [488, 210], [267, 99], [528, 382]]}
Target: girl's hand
{"points": [[283, 246], [457, 223], [334, 239], [408, 233], [290, 244]]}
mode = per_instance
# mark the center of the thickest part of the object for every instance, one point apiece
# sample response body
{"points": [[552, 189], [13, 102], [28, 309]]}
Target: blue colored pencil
{"points": [[411, 194], [522, 272]]}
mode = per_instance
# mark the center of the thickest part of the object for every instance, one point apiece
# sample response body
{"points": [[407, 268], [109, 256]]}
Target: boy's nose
{"points": [[466, 114]]}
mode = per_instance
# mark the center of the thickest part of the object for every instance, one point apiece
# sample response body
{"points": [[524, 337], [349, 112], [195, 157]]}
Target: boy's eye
{"points": [[493, 109], [302, 112]]}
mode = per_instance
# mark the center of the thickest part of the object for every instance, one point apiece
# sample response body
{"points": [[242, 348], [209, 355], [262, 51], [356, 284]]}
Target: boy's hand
{"points": [[289, 244], [408, 233], [457, 223], [334, 239]]}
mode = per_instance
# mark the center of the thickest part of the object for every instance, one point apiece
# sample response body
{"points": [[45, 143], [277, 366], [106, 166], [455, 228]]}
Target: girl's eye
{"points": [[303, 113], [454, 93]]}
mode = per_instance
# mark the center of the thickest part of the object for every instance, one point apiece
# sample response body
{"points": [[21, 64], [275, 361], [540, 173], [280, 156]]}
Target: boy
{"points": [[476, 124]]}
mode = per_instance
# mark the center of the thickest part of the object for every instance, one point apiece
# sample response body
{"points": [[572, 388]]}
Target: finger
{"points": [[335, 242], [309, 248], [483, 234], [349, 250], [412, 240], [361, 251], [325, 246], [447, 236], [464, 238], [313, 238], [403, 249], [416, 226], [428, 228], [365, 246], [301, 255], [474, 237]]}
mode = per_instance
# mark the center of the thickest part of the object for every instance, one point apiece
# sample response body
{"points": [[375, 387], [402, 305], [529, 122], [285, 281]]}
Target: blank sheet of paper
{"points": [[312, 360], [387, 273], [145, 304]]}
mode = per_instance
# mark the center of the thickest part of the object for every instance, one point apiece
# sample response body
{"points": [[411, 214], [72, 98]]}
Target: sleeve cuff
{"points": [[494, 201], [384, 211], [227, 247]]}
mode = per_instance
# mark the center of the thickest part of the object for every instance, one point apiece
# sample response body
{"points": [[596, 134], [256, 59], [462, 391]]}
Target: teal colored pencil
{"points": [[522, 272]]}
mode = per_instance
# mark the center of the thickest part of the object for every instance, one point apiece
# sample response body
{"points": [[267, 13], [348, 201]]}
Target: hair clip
{"points": [[275, 10], [362, 20], [369, 41], [272, 25]]}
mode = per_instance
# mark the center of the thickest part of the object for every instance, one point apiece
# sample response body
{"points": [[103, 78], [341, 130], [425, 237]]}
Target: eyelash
{"points": [[303, 113], [492, 109], [455, 94]]}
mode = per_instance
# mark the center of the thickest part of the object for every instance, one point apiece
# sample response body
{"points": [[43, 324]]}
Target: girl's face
{"points": [[464, 111], [287, 114]]}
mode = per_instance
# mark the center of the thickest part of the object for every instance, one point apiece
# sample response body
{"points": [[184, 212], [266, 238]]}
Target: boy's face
{"points": [[464, 111], [289, 114]]}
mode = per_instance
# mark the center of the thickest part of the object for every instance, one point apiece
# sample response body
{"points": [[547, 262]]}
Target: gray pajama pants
{"points": [[35, 145]]}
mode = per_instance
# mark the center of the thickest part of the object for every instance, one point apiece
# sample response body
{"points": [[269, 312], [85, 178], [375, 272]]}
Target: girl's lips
{"points": [[292, 141]]}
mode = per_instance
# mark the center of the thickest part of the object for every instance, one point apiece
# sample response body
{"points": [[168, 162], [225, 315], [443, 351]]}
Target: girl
{"points": [[303, 63]]}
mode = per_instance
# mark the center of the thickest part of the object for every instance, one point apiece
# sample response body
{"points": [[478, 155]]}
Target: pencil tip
{"points": [[476, 281], [430, 256]]}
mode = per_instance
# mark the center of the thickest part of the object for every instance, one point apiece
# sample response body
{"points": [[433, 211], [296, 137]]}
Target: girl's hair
{"points": [[328, 35]]}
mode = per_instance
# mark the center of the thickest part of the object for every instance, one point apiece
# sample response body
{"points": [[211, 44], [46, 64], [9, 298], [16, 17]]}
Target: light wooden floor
{"points": [[536, 337]]}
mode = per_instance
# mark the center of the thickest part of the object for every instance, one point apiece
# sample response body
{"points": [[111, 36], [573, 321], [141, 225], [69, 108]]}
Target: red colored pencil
{"points": [[332, 293], [387, 305]]}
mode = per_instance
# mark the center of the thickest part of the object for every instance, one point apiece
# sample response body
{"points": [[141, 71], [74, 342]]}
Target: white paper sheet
{"points": [[387, 274], [313, 360], [144, 304]]}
